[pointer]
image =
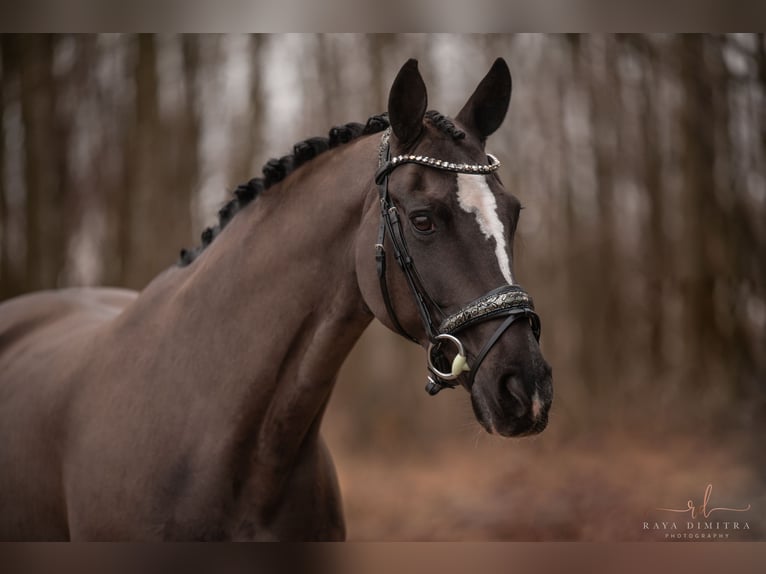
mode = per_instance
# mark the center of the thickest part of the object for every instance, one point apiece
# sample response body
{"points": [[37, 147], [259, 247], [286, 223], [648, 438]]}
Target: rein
{"points": [[509, 301]]}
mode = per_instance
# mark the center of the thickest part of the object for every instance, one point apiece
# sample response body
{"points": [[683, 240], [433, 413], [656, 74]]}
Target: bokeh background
{"points": [[640, 163]]}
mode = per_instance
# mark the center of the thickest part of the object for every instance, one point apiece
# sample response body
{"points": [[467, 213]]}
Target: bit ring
{"points": [[460, 351]]}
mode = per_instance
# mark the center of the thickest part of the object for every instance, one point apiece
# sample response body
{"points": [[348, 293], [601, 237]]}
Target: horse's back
{"points": [[43, 332], [32, 321], [44, 340]]}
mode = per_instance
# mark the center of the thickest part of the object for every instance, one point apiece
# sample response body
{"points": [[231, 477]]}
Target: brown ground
{"points": [[414, 467], [550, 487]]}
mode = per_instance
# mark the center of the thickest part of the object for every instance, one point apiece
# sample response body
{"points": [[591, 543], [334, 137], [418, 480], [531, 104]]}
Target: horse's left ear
{"points": [[485, 110]]}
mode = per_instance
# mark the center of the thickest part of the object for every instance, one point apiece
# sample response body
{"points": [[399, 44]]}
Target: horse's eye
{"points": [[422, 223]]}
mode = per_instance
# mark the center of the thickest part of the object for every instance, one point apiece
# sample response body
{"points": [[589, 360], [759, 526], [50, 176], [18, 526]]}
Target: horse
{"points": [[192, 410]]}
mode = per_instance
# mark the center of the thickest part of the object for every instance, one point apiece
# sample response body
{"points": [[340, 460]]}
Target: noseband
{"points": [[509, 301]]}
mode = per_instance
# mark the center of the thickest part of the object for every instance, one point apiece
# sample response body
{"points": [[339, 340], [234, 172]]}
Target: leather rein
{"points": [[509, 301]]}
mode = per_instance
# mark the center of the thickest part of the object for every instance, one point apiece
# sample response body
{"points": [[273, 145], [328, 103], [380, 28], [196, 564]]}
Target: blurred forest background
{"points": [[640, 161]]}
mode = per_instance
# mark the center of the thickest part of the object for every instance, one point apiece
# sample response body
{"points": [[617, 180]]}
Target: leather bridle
{"points": [[509, 301]]}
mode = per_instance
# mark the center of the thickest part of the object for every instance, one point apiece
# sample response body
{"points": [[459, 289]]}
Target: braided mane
{"points": [[275, 170]]}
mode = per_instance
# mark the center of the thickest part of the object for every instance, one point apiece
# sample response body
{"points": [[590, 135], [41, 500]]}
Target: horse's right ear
{"points": [[407, 103]]}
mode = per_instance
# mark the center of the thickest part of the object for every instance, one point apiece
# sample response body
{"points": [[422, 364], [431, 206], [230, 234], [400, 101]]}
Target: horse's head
{"points": [[443, 214]]}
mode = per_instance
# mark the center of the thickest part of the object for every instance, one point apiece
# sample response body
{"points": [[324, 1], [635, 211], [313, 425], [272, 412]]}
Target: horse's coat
{"points": [[192, 410]]}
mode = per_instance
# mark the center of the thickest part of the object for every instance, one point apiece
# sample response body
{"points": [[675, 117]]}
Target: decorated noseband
{"points": [[509, 301], [502, 301]]}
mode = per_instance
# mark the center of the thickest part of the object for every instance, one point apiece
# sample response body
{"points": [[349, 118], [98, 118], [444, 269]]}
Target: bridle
{"points": [[509, 301]]}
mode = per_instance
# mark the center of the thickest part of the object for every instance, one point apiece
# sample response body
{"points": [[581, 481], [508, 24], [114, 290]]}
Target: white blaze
{"points": [[474, 196]]}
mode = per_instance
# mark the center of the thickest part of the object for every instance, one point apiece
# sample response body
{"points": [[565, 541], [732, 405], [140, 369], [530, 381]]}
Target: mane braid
{"points": [[445, 124], [275, 170]]}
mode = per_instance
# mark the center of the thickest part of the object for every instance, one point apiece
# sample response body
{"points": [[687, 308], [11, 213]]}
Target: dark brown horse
{"points": [[192, 410]]}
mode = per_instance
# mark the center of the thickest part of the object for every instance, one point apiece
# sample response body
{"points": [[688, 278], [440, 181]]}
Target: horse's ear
{"points": [[485, 110], [407, 103]]}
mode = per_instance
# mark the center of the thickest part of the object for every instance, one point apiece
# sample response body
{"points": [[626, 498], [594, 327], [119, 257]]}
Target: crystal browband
{"points": [[448, 165], [387, 166], [503, 301]]}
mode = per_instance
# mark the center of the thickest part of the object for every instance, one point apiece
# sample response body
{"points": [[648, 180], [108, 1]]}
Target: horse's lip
{"points": [[510, 426], [536, 428], [486, 425]]}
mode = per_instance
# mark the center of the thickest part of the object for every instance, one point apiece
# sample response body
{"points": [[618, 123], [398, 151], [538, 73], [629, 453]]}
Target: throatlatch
{"points": [[509, 301]]}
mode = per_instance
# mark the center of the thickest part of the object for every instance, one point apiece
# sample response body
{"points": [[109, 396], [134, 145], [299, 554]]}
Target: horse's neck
{"points": [[261, 322]]}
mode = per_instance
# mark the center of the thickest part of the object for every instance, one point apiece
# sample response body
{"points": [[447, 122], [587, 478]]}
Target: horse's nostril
{"points": [[514, 386], [516, 391]]}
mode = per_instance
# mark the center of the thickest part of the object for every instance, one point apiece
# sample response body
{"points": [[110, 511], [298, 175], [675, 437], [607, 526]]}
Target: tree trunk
{"points": [[183, 178], [735, 244], [113, 186], [760, 55], [45, 229], [605, 108], [148, 205], [702, 218], [582, 266], [380, 47], [329, 80], [6, 273], [656, 250], [254, 118]]}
